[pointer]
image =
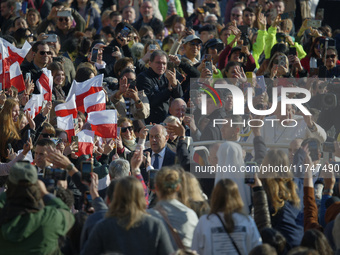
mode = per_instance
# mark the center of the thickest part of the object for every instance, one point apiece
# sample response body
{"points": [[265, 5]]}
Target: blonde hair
{"points": [[227, 199], [167, 181], [8, 129], [281, 187], [128, 203], [193, 187]]}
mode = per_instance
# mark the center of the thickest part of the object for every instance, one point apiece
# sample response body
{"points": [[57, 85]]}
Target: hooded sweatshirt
{"points": [[36, 233]]}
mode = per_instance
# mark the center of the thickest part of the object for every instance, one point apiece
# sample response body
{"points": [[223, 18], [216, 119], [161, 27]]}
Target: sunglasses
{"points": [[331, 56], [64, 19], [46, 135], [124, 129], [195, 43], [30, 35], [42, 53], [235, 15]]}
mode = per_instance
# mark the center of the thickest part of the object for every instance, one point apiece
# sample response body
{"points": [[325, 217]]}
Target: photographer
{"points": [[119, 48], [240, 53]]}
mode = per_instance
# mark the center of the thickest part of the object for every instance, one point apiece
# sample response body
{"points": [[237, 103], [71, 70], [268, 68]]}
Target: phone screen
{"points": [[250, 172], [86, 170], [152, 174], [74, 139], [94, 55], [208, 65], [313, 150], [24, 7]]}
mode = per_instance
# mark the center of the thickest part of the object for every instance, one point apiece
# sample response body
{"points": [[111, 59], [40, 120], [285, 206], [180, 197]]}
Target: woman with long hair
{"points": [[128, 229], [225, 229], [179, 219], [283, 199], [9, 131], [59, 91], [313, 59]]}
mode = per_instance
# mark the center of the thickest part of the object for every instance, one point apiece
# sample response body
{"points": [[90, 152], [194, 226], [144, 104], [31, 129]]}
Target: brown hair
{"points": [[121, 65], [281, 187], [55, 67], [128, 203], [226, 198]]}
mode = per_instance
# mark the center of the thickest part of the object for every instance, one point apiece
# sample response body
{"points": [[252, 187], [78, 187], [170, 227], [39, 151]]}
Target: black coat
{"points": [[156, 89]]}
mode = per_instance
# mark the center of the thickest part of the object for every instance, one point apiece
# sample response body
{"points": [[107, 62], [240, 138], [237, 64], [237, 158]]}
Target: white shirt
{"points": [[211, 239]]}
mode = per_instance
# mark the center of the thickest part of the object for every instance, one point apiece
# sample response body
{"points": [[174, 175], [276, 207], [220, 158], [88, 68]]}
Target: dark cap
{"points": [[209, 28], [217, 43], [234, 49]]}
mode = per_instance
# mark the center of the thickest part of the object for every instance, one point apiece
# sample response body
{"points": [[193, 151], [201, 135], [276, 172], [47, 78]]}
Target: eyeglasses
{"points": [[64, 19], [330, 56], [42, 53], [195, 44], [124, 129], [236, 15]]}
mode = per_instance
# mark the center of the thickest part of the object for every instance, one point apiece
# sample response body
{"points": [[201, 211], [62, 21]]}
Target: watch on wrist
{"points": [[70, 167]]}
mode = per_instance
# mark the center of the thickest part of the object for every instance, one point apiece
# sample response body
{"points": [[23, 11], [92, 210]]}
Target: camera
{"points": [[328, 101], [55, 174]]}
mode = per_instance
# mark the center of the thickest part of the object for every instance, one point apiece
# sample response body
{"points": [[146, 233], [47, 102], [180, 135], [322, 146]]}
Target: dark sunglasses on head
{"points": [[46, 135], [331, 56], [45, 52], [124, 129], [64, 19]]}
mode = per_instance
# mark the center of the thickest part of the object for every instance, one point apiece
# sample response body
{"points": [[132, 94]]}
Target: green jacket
{"points": [[36, 233], [271, 41]]}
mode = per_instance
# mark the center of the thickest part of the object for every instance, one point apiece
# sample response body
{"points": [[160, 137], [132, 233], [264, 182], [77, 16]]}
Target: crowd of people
{"points": [[157, 71]]}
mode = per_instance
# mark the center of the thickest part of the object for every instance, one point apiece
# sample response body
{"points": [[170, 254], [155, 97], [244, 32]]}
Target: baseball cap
{"points": [[217, 43], [191, 38], [23, 171], [209, 28]]}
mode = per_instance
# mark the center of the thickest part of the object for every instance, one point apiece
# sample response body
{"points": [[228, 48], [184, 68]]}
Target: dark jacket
{"points": [[212, 132], [156, 24], [169, 160], [156, 89], [149, 237], [29, 67], [260, 201]]}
